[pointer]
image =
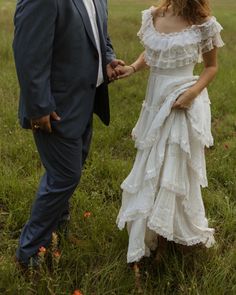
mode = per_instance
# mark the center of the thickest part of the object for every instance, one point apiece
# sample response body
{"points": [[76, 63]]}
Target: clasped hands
{"points": [[118, 70]]}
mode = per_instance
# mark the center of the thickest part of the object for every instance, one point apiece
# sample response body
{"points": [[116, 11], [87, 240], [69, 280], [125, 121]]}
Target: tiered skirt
{"points": [[162, 193]]}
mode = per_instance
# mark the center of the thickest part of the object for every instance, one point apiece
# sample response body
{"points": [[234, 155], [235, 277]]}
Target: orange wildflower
{"points": [[42, 249], [77, 292], [42, 252], [87, 214], [57, 254]]}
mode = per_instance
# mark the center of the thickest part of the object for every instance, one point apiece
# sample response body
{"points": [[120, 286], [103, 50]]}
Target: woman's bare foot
{"points": [[137, 275]]}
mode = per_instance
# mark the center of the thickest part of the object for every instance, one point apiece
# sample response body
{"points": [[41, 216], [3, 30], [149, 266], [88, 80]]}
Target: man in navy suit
{"points": [[64, 59]]}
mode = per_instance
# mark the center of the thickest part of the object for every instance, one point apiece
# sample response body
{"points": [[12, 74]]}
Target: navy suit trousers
{"points": [[63, 160]]}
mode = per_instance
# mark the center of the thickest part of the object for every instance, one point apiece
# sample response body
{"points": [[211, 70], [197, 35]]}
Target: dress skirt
{"points": [[162, 193]]}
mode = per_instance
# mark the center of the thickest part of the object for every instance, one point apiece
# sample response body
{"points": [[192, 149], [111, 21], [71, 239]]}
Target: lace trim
{"points": [[211, 43], [123, 218], [184, 145], [137, 255], [148, 30], [206, 140], [170, 63], [171, 50], [195, 33], [150, 175], [210, 28], [198, 171], [207, 239], [178, 190]]}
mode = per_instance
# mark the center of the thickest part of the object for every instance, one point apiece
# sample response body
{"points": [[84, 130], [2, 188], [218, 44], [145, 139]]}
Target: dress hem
{"points": [[207, 240]]}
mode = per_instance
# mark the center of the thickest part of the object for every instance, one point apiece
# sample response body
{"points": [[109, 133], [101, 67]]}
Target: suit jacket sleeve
{"points": [[110, 55], [33, 46]]}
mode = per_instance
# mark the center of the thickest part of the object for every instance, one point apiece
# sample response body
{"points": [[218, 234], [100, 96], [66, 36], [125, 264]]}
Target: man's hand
{"points": [[44, 123], [113, 69]]}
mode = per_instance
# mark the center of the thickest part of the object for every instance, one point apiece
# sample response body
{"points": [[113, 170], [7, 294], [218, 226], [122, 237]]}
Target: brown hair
{"points": [[193, 11]]}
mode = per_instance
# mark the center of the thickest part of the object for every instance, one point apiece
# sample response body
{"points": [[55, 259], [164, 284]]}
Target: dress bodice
{"points": [[173, 50]]}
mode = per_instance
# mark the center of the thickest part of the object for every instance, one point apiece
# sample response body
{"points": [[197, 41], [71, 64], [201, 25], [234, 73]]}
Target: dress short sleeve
{"points": [[210, 35], [146, 22]]}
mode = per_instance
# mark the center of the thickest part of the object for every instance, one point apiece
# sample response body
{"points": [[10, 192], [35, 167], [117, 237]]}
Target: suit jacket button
{"points": [[92, 86]]}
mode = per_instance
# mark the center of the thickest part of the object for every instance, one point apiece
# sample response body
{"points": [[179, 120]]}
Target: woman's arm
{"points": [[210, 62], [136, 66]]}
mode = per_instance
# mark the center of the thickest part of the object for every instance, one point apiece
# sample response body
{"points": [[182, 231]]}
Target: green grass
{"points": [[94, 261]]}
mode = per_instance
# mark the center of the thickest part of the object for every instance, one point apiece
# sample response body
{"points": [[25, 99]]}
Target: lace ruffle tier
{"points": [[162, 191], [180, 48]]}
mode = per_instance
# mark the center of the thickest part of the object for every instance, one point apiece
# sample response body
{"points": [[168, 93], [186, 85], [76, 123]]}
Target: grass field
{"points": [[94, 258]]}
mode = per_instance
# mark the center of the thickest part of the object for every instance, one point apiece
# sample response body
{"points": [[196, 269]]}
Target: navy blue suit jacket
{"points": [[57, 63]]}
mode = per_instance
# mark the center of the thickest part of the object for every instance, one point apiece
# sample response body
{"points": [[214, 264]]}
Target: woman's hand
{"points": [[185, 100], [125, 71]]}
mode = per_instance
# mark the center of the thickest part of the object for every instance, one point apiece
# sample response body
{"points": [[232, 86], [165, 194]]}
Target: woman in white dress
{"points": [[162, 194]]}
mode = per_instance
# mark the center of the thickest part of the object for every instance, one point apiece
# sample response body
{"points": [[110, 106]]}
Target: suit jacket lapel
{"points": [[83, 12]]}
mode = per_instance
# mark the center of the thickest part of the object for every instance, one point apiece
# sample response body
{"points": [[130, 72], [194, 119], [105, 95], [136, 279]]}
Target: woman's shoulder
{"points": [[147, 17], [149, 14], [209, 27], [210, 32], [208, 22]]}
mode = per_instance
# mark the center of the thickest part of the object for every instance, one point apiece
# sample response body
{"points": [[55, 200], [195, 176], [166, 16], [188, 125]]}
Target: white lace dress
{"points": [[162, 193]]}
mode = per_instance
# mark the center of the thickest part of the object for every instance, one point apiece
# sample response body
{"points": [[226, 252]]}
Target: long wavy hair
{"points": [[193, 11]]}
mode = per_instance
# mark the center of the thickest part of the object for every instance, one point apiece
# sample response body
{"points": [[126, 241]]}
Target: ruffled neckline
{"points": [[176, 49], [177, 33]]}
